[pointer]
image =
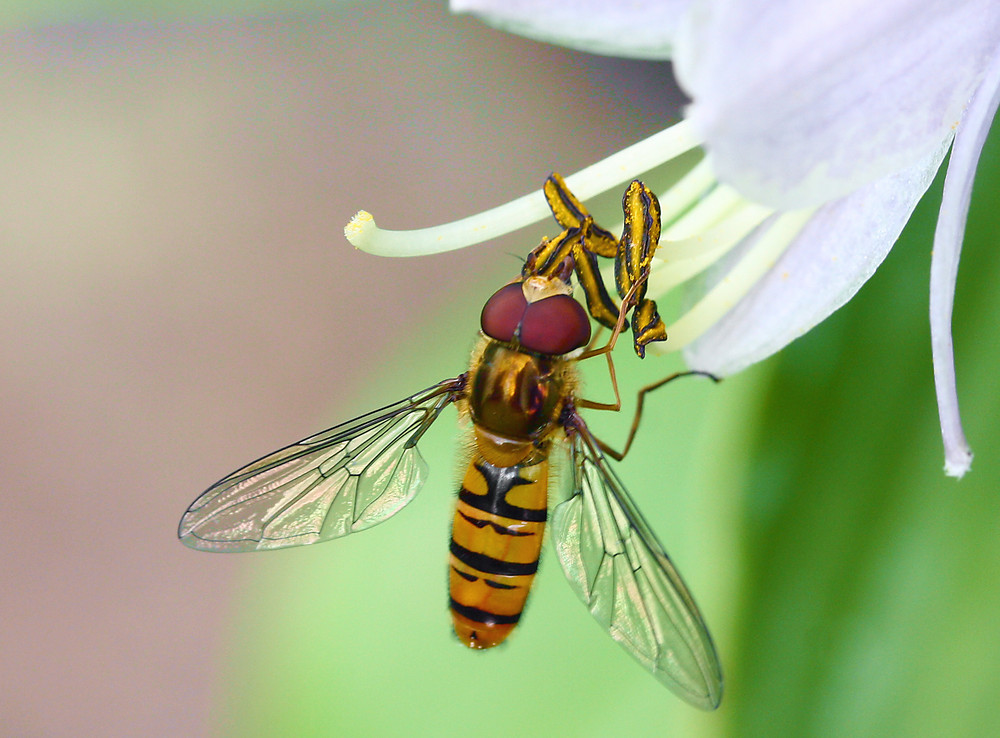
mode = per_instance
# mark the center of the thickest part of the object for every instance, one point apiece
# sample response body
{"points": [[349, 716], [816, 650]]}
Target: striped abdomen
{"points": [[495, 543]]}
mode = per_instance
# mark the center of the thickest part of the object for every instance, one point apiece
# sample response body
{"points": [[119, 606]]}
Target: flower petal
{"points": [[643, 30], [944, 263], [800, 103], [834, 254]]}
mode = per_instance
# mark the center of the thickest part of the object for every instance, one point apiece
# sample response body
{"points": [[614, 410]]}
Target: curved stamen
{"points": [[735, 285], [677, 261], [685, 193], [707, 212], [718, 221], [620, 167]]}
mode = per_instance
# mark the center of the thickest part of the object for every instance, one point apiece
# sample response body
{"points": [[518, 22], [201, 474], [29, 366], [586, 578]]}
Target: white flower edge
{"points": [[825, 265], [802, 103], [948, 238], [643, 30]]}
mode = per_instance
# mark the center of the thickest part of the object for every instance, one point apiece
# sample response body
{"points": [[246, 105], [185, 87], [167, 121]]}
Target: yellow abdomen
{"points": [[495, 543]]}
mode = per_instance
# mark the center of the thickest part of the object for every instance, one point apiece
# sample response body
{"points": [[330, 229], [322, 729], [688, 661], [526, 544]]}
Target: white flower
{"points": [[823, 124]]}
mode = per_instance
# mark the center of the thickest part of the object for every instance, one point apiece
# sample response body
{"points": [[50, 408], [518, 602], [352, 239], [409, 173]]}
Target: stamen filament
{"points": [[685, 193], [735, 285], [740, 220], [719, 221], [677, 261], [708, 211], [711, 210], [620, 167]]}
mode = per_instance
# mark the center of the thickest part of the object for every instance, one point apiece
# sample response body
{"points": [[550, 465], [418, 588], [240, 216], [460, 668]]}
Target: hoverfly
{"points": [[520, 393]]}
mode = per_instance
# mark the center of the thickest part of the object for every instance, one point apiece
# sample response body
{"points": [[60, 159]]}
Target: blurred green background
{"points": [[178, 300]]}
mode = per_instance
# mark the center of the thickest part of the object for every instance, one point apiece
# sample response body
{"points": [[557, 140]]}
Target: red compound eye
{"points": [[555, 325], [503, 312]]}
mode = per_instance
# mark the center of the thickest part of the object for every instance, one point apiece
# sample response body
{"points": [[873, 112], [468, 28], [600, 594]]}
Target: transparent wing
{"points": [[342, 480], [621, 572]]}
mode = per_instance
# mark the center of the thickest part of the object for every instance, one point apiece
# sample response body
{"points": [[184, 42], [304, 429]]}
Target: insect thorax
{"points": [[515, 397]]}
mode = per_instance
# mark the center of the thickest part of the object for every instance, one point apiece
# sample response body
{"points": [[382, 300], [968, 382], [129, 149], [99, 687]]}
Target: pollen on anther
{"points": [[360, 223]]}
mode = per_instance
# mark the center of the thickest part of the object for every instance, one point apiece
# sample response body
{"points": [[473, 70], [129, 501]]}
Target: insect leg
{"points": [[594, 338], [607, 349], [619, 455]]}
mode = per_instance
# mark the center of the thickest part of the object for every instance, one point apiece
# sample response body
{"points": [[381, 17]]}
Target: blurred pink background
{"points": [[177, 297]]}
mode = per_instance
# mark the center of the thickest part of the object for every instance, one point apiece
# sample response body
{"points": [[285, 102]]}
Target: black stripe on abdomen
{"points": [[489, 565], [481, 616], [498, 529], [495, 503]]}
